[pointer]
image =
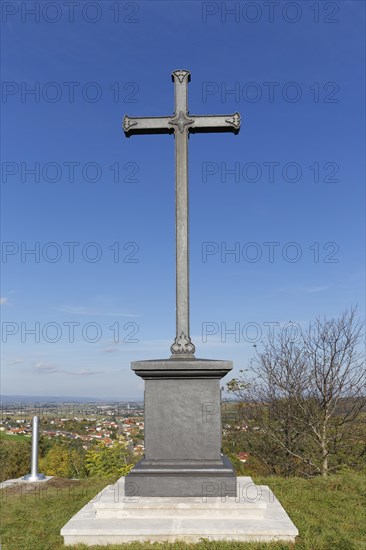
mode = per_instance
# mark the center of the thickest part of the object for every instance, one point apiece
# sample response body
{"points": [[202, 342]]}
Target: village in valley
{"points": [[104, 423]]}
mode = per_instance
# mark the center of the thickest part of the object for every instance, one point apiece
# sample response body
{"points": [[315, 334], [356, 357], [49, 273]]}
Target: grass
{"points": [[329, 514], [17, 437]]}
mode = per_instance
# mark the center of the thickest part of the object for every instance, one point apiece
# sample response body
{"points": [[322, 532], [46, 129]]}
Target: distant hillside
{"points": [[65, 399]]}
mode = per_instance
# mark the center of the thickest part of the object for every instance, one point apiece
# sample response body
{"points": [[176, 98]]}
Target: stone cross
{"points": [[183, 441], [181, 123]]}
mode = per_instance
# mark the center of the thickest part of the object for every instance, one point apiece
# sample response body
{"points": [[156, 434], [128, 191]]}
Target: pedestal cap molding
{"points": [[181, 368]]}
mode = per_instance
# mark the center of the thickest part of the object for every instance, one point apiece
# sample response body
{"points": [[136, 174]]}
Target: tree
{"points": [[108, 461], [44, 445], [63, 461], [306, 392], [336, 377], [15, 458]]}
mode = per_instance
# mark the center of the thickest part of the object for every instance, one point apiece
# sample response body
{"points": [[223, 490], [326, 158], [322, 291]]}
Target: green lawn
{"points": [[330, 514]]}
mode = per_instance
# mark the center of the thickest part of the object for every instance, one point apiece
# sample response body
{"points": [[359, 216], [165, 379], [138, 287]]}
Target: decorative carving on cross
{"points": [[181, 74], [234, 120], [182, 345], [128, 123], [181, 121]]}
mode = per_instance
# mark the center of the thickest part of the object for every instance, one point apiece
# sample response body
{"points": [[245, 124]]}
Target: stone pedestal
{"points": [[112, 517], [182, 431], [184, 489]]}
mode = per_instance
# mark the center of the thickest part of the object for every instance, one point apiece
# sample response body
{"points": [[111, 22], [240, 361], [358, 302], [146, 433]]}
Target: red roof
{"points": [[243, 456]]}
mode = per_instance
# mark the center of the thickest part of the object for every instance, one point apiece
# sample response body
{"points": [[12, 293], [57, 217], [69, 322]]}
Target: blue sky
{"points": [[293, 177]]}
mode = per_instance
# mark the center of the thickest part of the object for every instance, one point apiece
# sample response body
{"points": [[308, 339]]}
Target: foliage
{"points": [[108, 461], [44, 445], [63, 461], [14, 458]]}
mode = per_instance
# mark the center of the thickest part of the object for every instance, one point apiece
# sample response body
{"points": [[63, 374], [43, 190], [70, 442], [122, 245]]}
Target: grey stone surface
{"points": [[112, 518], [182, 420], [182, 479], [182, 430], [181, 368]]}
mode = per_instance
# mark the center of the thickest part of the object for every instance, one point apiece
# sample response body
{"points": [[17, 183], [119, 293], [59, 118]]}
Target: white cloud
{"points": [[84, 372], [306, 289], [4, 301], [50, 368], [46, 367], [312, 289], [15, 362]]}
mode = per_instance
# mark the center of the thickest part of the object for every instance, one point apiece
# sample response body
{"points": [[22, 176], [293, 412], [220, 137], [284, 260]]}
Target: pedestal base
{"points": [[114, 518], [191, 478]]}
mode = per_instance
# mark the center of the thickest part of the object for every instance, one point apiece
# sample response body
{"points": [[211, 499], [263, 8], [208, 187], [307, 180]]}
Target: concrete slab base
{"points": [[10, 482], [113, 518]]}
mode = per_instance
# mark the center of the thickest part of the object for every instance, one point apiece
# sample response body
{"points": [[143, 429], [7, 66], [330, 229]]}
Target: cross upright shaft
{"points": [[181, 123]]}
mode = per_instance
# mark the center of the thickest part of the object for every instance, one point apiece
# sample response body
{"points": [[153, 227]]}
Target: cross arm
{"points": [[146, 125], [216, 123]]}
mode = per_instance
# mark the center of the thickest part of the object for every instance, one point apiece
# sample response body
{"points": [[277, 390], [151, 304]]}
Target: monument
{"points": [[182, 394], [184, 488]]}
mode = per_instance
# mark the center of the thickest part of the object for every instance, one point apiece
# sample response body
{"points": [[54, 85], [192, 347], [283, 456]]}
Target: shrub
{"points": [[15, 458]]}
